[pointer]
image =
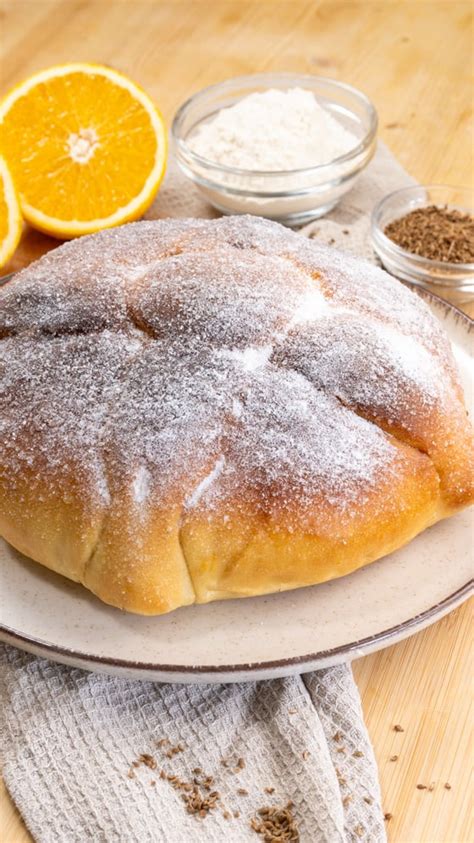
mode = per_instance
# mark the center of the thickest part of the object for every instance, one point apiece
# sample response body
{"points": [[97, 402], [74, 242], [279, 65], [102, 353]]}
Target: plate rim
{"points": [[273, 667], [285, 666]]}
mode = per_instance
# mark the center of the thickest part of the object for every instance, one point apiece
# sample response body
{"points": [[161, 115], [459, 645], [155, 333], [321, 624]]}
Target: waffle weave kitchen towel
{"points": [[95, 758], [70, 738]]}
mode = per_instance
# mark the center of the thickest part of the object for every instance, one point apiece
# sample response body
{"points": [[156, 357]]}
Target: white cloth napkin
{"points": [[69, 738]]}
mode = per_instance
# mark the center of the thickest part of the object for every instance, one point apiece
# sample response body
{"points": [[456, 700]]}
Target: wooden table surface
{"points": [[412, 59]]}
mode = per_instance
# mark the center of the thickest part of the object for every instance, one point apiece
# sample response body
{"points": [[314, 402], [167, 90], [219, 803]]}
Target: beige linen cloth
{"points": [[68, 737]]}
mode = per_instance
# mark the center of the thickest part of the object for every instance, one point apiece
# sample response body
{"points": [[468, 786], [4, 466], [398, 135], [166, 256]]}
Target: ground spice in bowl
{"points": [[436, 233]]}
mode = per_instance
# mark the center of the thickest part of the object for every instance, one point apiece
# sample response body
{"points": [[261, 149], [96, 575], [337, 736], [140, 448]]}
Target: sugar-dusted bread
{"points": [[197, 410]]}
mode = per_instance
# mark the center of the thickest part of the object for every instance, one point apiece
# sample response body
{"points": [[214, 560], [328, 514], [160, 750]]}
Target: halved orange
{"points": [[86, 146], [10, 216]]}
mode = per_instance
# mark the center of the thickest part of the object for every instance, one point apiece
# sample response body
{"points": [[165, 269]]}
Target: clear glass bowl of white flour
{"points": [[283, 146]]}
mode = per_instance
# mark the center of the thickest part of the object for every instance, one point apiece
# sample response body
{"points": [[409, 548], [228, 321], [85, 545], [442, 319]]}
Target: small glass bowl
{"points": [[453, 281], [292, 197]]}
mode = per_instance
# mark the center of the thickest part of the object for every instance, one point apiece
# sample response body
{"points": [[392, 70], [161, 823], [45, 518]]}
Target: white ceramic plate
{"points": [[255, 638]]}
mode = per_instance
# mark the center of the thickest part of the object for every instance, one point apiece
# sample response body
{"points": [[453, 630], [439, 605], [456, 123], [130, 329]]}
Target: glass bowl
{"points": [[292, 197], [453, 281]]}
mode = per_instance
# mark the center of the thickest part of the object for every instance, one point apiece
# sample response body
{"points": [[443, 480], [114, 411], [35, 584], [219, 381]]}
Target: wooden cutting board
{"points": [[412, 59]]}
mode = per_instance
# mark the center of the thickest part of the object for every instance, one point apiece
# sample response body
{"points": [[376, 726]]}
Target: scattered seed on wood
{"points": [[358, 754], [421, 787], [447, 786], [388, 816], [432, 786], [398, 728], [394, 758]]}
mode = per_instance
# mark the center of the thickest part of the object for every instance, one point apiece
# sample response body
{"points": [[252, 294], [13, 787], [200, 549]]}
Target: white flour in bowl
{"points": [[273, 131]]}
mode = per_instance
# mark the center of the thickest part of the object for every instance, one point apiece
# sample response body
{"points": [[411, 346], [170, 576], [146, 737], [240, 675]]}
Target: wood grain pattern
{"points": [[413, 60]]}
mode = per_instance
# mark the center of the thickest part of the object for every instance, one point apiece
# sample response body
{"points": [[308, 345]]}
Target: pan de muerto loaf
{"points": [[197, 410]]}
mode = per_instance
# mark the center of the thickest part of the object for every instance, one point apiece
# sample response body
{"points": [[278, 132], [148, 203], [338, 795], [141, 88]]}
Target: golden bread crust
{"points": [[199, 410]]}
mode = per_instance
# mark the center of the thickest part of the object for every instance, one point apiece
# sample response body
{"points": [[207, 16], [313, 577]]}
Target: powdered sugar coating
{"points": [[169, 419], [218, 296], [367, 365], [293, 444], [55, 397], [139, 359]]}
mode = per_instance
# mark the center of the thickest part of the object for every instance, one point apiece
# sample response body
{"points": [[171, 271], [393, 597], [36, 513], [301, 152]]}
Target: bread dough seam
{"points": [[408, 442]]}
